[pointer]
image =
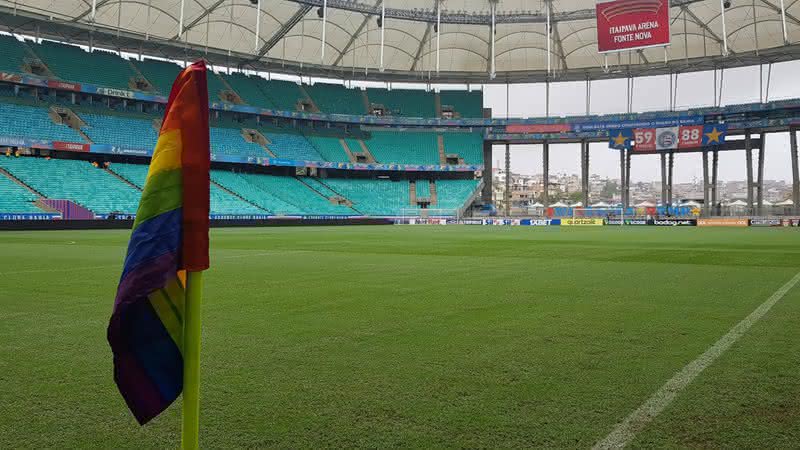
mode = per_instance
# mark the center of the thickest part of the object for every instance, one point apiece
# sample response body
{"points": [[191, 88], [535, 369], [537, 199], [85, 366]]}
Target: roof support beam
{"points": [[355, 36], [642, 57], [777, 9], [421, 46], [285, 28], [197, 20], [704, 26], [559, 46], [89, 11]]}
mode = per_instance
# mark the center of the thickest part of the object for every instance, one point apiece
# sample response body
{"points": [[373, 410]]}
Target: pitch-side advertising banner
{"points": [[723, 222], [581, 222], [629, 24]]}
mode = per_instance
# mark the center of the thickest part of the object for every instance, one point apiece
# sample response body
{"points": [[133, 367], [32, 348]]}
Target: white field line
{"points": [[626, 430]]}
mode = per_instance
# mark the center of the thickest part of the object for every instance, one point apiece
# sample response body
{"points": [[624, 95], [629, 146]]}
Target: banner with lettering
{"points": [[631, 24]]}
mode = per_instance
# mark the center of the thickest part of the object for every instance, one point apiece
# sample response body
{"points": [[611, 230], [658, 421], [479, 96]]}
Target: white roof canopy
{"points": [[288, 35]]}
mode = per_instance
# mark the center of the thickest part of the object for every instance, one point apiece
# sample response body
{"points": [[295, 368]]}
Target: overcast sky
{"points": [[740, 85]]}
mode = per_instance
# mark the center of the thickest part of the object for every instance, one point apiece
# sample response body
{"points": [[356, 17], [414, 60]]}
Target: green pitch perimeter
{"points": [[420, 337]]}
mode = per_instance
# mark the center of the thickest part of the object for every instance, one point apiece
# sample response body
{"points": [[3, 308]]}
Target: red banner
{"points": [[70, 146], [628, 24], [55, 84], [644, 139], [540, 128], [691, 137]]}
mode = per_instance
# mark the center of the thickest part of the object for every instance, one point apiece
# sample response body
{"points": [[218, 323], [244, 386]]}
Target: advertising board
{"points": [[582, 222], [675, 222], [766, 222], [631, 24], [723, 222]]}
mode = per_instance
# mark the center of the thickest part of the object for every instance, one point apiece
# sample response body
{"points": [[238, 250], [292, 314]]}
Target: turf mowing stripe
{"points": [[107, 266], [625, 431]]}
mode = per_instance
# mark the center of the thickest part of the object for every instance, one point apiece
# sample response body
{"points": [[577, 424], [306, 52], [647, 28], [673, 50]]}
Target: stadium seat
{"points": [[12, 54], [119, 130], [466, 104], [330, 148], [79, 181], [291, 146], [423, 188], [335, 98], [33, 122], [221, 202], [469, 146], [453, 194], [15, 198], [404, 102], [404, 147], [250, 89], [374, 197], [279, 194], [161, 74], [72, 63]]}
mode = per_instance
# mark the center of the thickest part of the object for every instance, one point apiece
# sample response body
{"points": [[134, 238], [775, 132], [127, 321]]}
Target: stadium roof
{"points": [[288, 36]]}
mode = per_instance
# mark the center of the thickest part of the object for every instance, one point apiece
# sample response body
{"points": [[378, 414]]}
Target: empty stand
{"points": [[79, 181], [119, 130], [468, 146], [453, 194], [292, 146], [464, 104], [12, 54], [33, 122], [330, 148], [374, 197], [160, 74], [404, 147], [404, 102], [15, 198], [337, 99], [72, 63]]}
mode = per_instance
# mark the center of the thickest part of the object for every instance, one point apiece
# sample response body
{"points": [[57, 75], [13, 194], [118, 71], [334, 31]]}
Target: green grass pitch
{"points": [[422, 337]]}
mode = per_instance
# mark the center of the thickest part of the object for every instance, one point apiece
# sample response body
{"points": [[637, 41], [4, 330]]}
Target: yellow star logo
{"points": [[713, 136], [620, 140]]}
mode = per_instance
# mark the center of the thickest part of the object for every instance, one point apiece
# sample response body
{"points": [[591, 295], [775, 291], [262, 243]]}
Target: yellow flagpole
{"points": [[191, 361]]}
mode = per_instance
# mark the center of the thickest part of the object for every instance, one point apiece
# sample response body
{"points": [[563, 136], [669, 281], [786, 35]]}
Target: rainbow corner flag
{"points": [[169, 238]]}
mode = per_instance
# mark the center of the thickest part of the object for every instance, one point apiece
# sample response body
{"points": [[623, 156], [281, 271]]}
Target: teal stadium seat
{"points": [[337, 99], [467, 145], [74, 180], [330, 148], [374, 197], [215, 86], [122, 131], [284, 94], [453, 194], [15, 198], [229, 141], [291, 146], [72, 63], [272, 94], [33, 122], [404, 147], [161, 74], [404, 102], [221, 202], [423, 188], [12, 54], [467, 104], [279, 194], [251, 89]]}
